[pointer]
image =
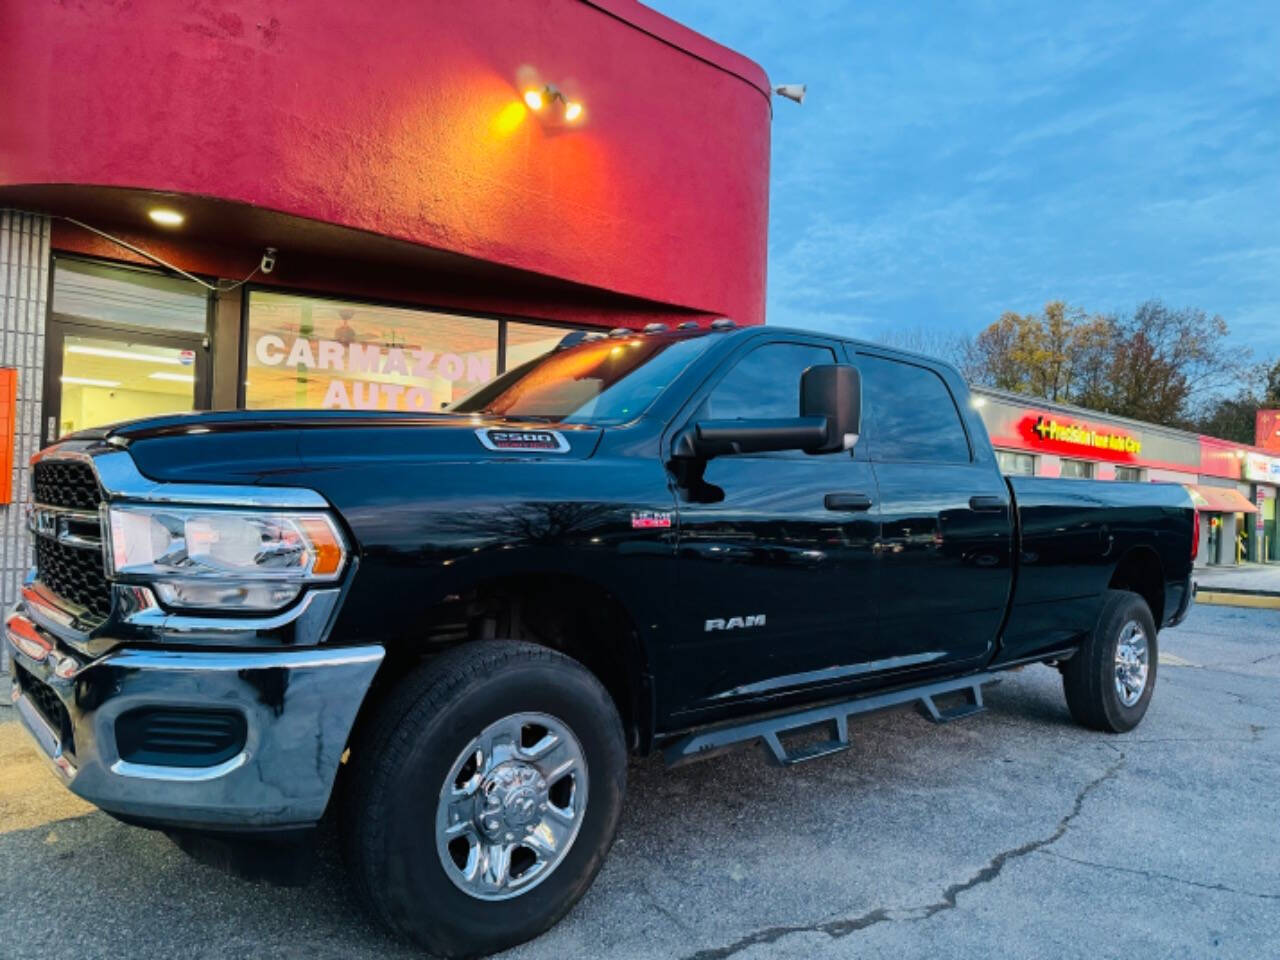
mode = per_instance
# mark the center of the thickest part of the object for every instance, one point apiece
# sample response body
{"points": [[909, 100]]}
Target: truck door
{"points": [[946, 523], [775, 573]]}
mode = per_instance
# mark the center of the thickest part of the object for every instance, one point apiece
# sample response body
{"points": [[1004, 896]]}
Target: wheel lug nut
{"points": [[511, 836], [542, 806]]}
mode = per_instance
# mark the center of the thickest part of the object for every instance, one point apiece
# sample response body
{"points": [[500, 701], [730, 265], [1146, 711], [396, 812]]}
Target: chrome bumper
{"points": [[299, 706]]}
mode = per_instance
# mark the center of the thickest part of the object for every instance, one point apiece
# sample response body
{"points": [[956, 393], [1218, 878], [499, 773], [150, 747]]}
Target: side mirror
{"points": [[833, 391], [830, 414]]}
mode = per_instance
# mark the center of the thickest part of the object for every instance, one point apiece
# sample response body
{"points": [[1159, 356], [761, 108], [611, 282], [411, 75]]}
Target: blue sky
{"points": [[955, 161]]}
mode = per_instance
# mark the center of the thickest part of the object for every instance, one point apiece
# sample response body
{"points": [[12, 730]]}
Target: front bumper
{"points": [[298, 705]]}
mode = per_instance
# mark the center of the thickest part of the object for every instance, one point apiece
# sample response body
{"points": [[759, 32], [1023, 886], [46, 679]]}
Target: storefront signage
{"points": [[1260, 468], [1048, 430], [376, 363]]}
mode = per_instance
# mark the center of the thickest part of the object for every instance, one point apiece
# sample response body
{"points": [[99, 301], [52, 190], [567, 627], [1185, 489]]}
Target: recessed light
{"points": [[123, 354], [166, 217]]}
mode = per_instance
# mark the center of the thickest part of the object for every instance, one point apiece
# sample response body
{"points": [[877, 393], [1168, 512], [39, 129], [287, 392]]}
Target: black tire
{"points": [[407, 751], [1089, 678]]}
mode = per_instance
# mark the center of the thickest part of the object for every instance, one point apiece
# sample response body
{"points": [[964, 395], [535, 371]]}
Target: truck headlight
{"points": [[223, 558]]}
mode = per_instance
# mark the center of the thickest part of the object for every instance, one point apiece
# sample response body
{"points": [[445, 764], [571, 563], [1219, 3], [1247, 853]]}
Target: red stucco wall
{"points": [[404, 119]]}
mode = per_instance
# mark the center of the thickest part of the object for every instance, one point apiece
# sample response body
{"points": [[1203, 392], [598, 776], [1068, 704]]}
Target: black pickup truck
{"points": [[450, 630]]}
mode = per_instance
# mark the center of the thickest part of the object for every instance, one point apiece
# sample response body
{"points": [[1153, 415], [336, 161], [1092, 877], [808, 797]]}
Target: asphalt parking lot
{"points": [[1013, 833]]}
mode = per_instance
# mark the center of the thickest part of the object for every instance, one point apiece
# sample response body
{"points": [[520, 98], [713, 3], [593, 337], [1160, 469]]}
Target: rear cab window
{"points": [[908, 414]]}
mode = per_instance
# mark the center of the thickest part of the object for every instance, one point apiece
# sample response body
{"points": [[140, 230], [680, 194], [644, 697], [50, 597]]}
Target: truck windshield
{"points": [[602, 382]]}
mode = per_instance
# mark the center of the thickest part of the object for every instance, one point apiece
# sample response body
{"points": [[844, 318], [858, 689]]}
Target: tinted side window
{"points": [[765, 384], [908, 414]]}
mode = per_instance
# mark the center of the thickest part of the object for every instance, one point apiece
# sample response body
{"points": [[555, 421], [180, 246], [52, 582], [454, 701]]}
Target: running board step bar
{"points": [[704, 742]]}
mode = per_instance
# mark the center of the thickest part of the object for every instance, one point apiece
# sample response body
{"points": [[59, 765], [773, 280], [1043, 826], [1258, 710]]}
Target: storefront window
{"points": [[525, 341], [1129, 474], [1016, 463], [1080, 469], [85, 291], [309, 352]]}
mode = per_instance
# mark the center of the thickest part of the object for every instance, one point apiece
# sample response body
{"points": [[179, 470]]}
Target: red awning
{"points": [[1219, 499]]}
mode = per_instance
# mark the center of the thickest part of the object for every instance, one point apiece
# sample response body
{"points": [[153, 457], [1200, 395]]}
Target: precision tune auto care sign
{"points": [[367, 376], [1081, 439]]}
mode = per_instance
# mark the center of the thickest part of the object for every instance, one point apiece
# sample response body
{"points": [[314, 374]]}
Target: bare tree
{"points": [[942, 344]]}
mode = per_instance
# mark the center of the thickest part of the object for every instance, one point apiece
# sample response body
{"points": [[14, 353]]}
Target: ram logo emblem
{"points": [[735, 623]]}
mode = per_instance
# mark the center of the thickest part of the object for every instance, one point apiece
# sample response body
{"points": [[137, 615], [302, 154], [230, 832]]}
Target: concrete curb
{"points": [[1234, 597]]}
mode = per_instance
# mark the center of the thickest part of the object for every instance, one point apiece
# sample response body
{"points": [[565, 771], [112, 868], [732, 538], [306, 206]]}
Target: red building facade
{"points": [[444, 188]]}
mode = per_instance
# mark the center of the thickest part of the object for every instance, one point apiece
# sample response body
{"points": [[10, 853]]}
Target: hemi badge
{"points": [[541, 441], [650, 520]]}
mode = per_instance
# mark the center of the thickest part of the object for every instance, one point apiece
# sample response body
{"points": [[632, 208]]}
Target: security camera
{"points": [[268, 260], [792, 91]]}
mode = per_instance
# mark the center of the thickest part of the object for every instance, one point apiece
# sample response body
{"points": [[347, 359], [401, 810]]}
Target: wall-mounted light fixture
{"points": [[551, 103]]}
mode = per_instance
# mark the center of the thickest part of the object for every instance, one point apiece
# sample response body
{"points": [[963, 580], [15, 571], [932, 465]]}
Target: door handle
{"points": [[987, 504], [847, 501]]}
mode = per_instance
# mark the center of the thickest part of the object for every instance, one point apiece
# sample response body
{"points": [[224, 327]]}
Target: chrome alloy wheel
{"points": [[511, 806], [1132, 663]]}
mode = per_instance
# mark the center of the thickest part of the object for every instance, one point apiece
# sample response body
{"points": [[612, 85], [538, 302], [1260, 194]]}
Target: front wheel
{"points": [[1110, 680], [483, 797]]}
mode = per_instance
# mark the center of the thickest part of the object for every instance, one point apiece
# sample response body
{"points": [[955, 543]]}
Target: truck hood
{"points": [[258, 447]]}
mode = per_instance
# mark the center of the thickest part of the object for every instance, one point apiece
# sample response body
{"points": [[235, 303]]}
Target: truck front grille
{"points": [[75, 574], [66, 483]]}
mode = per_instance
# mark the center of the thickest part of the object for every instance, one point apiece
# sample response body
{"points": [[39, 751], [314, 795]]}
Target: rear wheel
{"points": [[1110, 680], [483, 796]]}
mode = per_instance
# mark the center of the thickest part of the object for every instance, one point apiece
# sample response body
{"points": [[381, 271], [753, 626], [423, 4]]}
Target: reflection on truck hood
{"points": [[246, 446]]}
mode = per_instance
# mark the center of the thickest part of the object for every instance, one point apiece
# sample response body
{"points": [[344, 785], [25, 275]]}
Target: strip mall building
{"points": [[445, 189]]}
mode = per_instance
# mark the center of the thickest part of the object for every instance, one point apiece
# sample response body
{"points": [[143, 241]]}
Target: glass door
{"points": [[108, 377], [122, 344]]}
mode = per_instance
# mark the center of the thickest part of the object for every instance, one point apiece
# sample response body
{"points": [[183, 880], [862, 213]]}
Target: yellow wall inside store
{"points": [[84, 407]]}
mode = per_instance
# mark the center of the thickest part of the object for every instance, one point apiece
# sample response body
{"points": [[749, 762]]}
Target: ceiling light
{"points": [[166, 217], [534, 99], [90, 382], [175, 377], [572, 111], [124, 355]]}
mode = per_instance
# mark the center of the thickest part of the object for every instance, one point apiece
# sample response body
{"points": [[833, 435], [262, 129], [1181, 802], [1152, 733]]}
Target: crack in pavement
{"points": [[837, 929], [1154, 875]]}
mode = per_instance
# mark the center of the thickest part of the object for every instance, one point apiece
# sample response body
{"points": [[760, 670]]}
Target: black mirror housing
{"points": [[829, 421], [833, 391]]}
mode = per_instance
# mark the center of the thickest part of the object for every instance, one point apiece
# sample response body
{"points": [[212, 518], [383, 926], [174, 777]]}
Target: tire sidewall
{"points": [[421, 898], [1126, 607]]}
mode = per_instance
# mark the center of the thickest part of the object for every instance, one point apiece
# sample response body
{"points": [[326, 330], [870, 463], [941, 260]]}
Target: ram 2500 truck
{"points": [[451, 629]]}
